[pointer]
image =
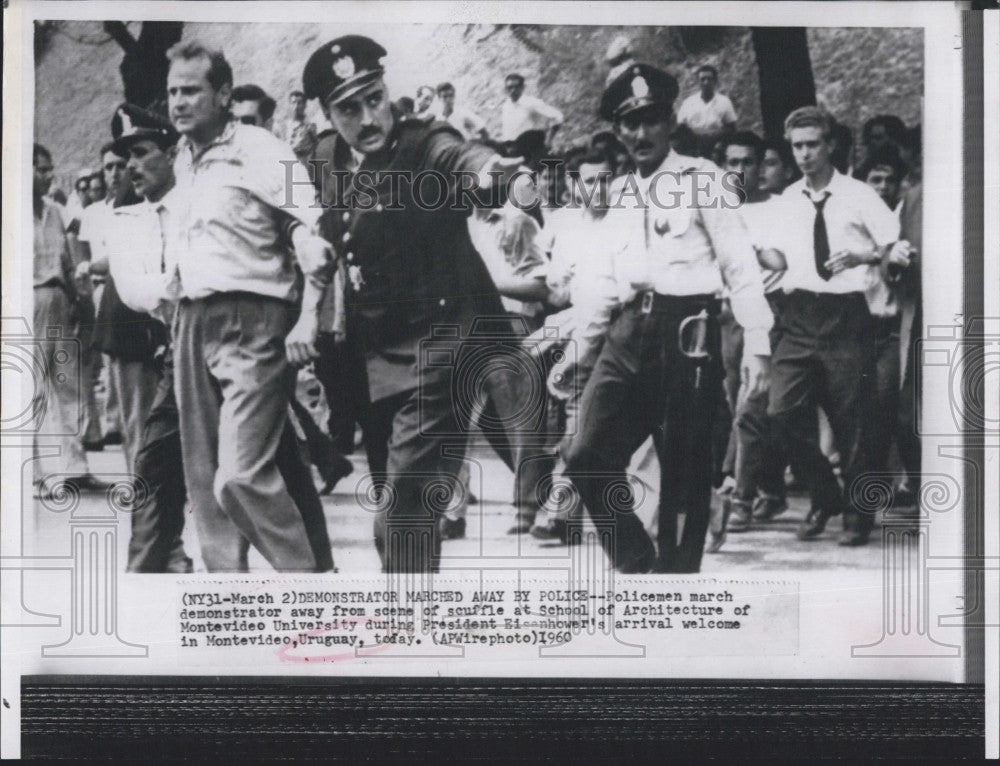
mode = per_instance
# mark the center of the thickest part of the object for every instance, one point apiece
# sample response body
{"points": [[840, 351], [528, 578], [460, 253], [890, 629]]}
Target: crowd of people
{"points": [[747, 306]]}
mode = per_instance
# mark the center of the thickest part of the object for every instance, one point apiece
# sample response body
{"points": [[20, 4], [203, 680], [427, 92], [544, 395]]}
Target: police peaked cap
{"points": [[131, 123], [342, 67], [639, 86]]}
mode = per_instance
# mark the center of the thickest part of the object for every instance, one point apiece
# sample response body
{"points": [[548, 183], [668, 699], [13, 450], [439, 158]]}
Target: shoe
{"points": [[341, 467], [88, 483], [473, 500], [813, 525], [97, 446], [112, 438], [767, 507], [739, 516], [452, 529], [715, 541], [640, 565], [853, 538], [520, 528], [554, 529]]}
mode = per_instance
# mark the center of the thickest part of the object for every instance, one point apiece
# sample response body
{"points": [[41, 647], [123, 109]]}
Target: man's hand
{"points": [[756, 374], [300, 344], [560, 381], [510, 171], [82, 270], [901, 254], [845, 259]]}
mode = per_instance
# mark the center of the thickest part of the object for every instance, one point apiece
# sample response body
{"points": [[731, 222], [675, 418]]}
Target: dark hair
{"points": [[405, 104], [782, 148], [914, 139], [426, 87], [265, 104], [843, 146], [445, 86], [110, 147], [883, 156], [748, 139], [587, 156], [895, 130], [40, 151], [708, 68], [514, 76], [219, 71], [684, 140]]}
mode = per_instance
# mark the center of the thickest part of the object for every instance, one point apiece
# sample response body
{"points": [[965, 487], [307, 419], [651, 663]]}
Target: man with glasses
{"points": [[659, 371]]}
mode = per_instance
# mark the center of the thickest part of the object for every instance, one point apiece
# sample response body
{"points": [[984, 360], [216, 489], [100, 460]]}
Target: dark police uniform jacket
{"points": [[411, 267]]}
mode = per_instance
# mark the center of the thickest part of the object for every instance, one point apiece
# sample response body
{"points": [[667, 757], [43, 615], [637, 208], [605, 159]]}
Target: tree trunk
{"points": [[786, 78]]}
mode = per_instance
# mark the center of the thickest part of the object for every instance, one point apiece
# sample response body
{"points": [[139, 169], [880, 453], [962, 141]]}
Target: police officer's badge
{"points": [[640, 88], [357, 281], [344, 67]]}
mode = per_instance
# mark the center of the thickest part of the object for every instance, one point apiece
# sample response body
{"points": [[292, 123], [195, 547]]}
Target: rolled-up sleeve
{"points": [[741, 273]]}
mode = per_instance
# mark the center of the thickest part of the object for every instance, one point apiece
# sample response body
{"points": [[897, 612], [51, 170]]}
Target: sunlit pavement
{"points": [[770, 546]]}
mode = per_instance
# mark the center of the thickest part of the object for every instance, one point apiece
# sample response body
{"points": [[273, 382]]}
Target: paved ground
{"points": [[768, 547]]}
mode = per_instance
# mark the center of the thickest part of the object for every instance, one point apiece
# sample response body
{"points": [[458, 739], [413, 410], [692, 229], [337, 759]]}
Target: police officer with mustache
{"points": [[411, 267], [659, 370]]}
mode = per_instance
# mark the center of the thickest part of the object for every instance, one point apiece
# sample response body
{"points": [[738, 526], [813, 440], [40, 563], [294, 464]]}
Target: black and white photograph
{"points": [[493, 341]]}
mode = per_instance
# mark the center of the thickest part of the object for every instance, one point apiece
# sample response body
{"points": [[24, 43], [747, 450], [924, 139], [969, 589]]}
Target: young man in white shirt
{"points": [[582, 243], [754, 456], [521, 113], [708, 113], [464, 121], [831, 230]]}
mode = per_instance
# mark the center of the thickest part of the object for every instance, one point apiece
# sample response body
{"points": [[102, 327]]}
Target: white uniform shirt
{"points": [[142, 257], [857, 220], [675, 242]]}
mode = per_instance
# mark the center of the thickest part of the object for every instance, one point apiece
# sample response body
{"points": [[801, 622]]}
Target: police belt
{"points": [[680, 306]]}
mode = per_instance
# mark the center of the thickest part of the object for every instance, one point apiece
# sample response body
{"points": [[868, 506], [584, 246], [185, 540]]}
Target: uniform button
{"points": [[350, 256], [346, 217], [379, 207], [441, 302], [347, 236]]}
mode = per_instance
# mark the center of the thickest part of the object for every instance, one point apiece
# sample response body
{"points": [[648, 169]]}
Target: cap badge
{"points": [[127, 127], [640, 88], [335, 49], [344, 67]]}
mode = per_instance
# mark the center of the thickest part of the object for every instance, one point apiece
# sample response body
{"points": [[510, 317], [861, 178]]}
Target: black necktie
{"points": [[821, 243]]}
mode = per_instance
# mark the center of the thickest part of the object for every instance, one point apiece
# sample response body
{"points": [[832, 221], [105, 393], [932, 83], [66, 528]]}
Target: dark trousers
{"points": [[726, 427], [643, 385], [418, 478], [909, 400], [158, 519], [885, 423], [760, 461], [823, 354]]}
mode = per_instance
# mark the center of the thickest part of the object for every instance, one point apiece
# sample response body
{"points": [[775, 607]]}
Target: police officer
{"points": [[659, 370], [410, 267]]}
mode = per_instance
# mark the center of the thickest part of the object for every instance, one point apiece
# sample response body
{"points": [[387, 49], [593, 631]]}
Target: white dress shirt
{"points": [[706, 117], [141, 249], [527, 113], [857, 220]]}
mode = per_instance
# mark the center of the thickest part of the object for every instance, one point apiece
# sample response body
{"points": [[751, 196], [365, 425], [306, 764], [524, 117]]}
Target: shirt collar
{"points": [[225, 137], [836, 185]]}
